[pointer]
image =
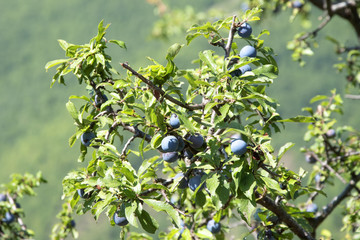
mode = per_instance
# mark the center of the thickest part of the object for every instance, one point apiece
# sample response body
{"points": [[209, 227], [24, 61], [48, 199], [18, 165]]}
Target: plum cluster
{"points": [[245, 31], [9, 217]]}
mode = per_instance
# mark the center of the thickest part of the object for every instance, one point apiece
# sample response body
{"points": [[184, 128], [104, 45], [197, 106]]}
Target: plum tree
{"points": [[211, 106], [12, 225]]}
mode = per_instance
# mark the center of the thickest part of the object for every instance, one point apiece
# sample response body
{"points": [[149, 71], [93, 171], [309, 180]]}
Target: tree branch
{"points": [[230, 38], [160, 91], [335, 202], [354, 97], [346, 10], [283, 216], [315, 32]]}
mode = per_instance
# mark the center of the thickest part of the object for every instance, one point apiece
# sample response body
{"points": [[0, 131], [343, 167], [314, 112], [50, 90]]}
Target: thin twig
{"points": [[123, 153], [315, 32], [160, 91], [230, 38], [351, 96]]}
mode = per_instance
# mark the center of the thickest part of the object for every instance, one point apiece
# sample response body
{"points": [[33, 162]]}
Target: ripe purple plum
{"points": [[170, 156], [169, 144], [245, 30], [248, 51], [195, 182], [238, 147], [174, 121], [213, 227], [120, 221], [196, 140], [86, 138]]}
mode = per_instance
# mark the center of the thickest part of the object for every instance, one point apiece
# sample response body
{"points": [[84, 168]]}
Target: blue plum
{"points": [[99, 101], [188, 153], [120, 221], [9, 218], [82, 193], [312, 208], [248, 51], [195, 182], [3, 197], [241, 70], [245, 68], [330, 133], [174, 121], [169, 144], [317, 178], [181, 144], [238, 147], [310, 158], [170, 156], [86, 138], [297, 4], [245, 30], [213, 227], [196, 140]]}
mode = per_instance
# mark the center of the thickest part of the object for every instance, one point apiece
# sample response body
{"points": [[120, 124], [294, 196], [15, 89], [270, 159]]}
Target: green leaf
{"points": [[148, 223], [130, 209], [156, 140], [186, 122], [245, 208], [72, 110], [119, 43], [284, 149], [272, 184], [302, 119], [55, 62], [163, 206], [63, 44], [173, 51], [208, 58], [212, 183], [318, 98]]}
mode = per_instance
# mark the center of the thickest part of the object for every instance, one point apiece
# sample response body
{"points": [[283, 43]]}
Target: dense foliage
{"points": [[194, 167], [210, 188]]}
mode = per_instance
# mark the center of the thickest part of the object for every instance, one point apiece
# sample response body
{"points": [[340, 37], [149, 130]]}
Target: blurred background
{"points": [[35, 125]]}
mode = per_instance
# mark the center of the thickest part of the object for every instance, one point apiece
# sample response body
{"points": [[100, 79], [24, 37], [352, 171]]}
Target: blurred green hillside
{"points": [[35, 125]]}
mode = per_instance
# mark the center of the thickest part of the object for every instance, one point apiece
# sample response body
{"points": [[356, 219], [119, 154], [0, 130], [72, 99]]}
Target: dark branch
{"points": [[335, 202], [283, 216], [160, 91], [345, 9]]}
